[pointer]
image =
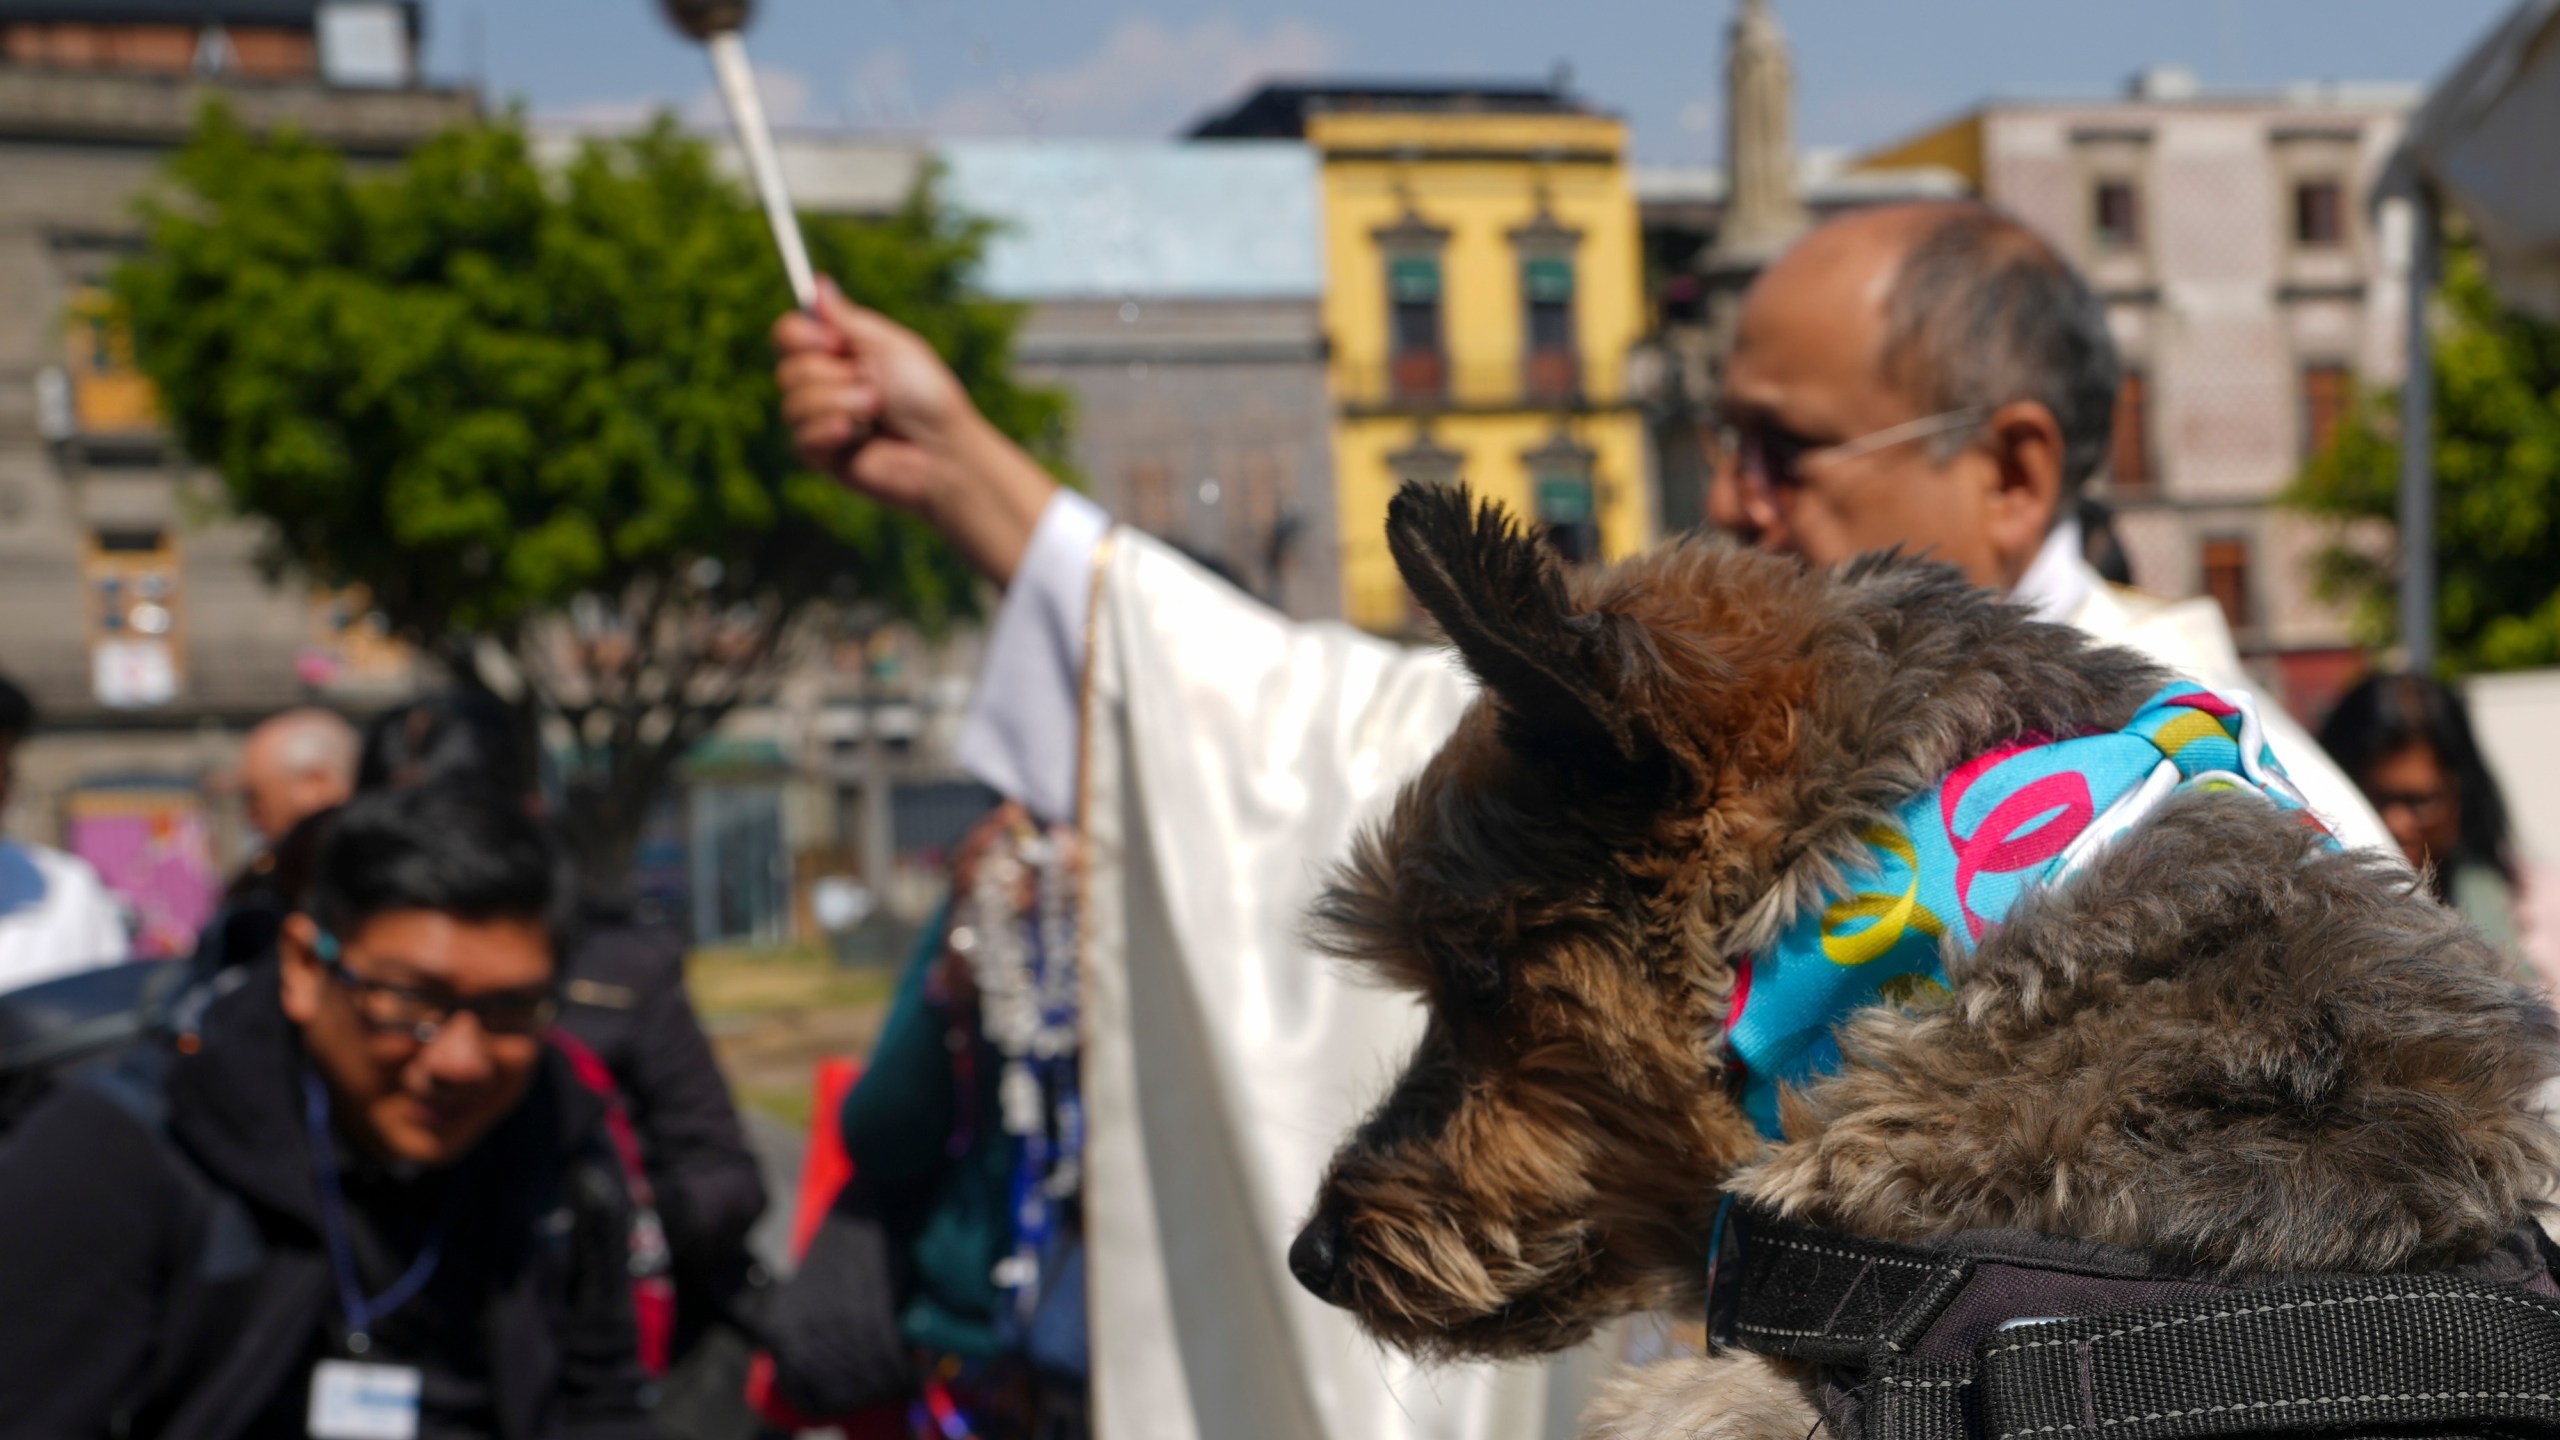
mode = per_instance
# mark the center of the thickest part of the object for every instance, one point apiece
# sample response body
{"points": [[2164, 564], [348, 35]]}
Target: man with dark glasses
{"points": [[360, 1198], [1937, 378]]}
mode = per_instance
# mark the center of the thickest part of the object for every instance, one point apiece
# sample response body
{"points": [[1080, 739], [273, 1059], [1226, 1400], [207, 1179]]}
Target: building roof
{"points": [[1279, 110], [1823, 177], [1956, 143], [301, 14], [1143, 219]]}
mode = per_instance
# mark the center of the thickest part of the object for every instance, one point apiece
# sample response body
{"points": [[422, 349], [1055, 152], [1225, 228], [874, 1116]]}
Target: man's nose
{"points": [[459, 1055], [1725, 509], [1734, 508]]}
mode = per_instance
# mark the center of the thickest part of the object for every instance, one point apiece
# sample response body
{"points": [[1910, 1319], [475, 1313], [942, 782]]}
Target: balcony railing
{"points": [[1425, 380]]}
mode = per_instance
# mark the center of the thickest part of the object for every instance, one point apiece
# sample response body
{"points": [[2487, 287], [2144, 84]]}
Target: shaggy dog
{"points": [[2219, 1041]]}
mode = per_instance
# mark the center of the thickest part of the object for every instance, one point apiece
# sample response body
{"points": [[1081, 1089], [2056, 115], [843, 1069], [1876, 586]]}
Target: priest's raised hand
{"points": [[869, 402]]}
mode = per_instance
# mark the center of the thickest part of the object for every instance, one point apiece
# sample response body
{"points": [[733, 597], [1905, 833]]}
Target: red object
{"points": [[653, 1287], [823, 1172], [827, 1167]]}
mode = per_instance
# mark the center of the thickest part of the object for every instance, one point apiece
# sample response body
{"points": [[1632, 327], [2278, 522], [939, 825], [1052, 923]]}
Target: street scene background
{"points": [[1237, 271]]}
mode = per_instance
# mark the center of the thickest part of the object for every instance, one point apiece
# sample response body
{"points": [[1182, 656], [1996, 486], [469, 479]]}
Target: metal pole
{"points": [[2417, 444]]}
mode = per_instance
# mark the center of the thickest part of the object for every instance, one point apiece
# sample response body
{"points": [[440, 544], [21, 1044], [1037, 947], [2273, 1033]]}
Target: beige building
{"points": [[2250, 294], [145, 631]]}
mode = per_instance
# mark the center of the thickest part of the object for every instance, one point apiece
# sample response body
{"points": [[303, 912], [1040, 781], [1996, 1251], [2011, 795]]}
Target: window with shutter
{"points": [[2319, 214], [1420, 370], [2116, 215], [2225, 563], [1553, 372], [2129, 457], [2327, 389]]}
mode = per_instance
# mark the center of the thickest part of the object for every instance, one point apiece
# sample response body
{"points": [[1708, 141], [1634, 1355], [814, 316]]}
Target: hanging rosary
{"points": [[1015, 928]]}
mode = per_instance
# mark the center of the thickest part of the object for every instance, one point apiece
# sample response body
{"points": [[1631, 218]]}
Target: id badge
{"points": [[351, 1400]]}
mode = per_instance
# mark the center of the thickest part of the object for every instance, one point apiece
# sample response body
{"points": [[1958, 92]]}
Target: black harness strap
{"points": [[2397, 1350], [2009, 1336], [1832, 1299]]}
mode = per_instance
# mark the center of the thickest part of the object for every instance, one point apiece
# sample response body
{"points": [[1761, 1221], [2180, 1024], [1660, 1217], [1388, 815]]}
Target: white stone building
{"points": [[2250, 294]]}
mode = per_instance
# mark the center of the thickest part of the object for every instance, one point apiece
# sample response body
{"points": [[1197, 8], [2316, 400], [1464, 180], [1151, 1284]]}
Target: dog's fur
{"points": [[2216, 1042]]}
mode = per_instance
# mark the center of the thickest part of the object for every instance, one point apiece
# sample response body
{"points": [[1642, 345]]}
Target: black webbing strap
{"points": [[1852, 1305], [1824, 1297], [1912, 1345], [2398, 1351]]}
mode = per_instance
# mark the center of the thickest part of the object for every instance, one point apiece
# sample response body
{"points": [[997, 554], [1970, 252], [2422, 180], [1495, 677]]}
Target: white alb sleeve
{"points": [[1024, 730]]}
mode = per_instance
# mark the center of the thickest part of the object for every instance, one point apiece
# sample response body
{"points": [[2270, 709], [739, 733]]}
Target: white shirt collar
{"points": [[2058, 583]]}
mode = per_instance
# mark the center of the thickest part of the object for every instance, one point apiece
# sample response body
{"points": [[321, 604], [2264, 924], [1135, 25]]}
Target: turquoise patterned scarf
{"points": [[1954, 859]]}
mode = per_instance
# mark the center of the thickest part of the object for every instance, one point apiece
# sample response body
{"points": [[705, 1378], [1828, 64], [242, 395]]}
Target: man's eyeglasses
{"points": [[1771, 460], [421, 1015]]}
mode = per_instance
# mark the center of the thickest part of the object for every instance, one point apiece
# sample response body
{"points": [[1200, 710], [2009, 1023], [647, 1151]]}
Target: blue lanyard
{"points": [[360, 1312]]}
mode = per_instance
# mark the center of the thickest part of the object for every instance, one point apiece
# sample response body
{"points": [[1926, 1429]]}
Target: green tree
{"points": [[531, 414], [2497, 456]]}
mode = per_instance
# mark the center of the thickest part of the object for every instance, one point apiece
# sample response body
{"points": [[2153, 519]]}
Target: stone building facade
{"points": [[142, 626]]}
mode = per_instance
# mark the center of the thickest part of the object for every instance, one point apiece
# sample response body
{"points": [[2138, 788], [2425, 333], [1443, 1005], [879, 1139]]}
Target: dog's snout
{"points": [[1315, 1257]]}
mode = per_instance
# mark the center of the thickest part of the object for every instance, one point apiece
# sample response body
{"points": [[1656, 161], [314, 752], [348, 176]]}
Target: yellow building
{"points": [[1483, 288]]}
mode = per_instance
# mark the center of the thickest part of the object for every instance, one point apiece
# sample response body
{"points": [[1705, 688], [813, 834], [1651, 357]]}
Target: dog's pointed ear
{"points": [[1560, 674]]}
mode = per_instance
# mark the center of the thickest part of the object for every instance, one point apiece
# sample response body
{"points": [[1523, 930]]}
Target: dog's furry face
{"points": [[1517, 901], [1669, 761]]}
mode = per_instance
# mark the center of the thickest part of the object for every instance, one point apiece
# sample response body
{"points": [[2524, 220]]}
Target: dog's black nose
{"points": [[1315, 1257]]}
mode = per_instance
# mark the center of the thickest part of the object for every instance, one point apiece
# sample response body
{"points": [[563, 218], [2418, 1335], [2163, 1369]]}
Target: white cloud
{"points": [[1145, 79]]}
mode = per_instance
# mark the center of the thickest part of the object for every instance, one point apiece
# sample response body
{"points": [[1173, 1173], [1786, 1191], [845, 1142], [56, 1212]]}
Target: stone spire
{"points": [[1762, 211]]}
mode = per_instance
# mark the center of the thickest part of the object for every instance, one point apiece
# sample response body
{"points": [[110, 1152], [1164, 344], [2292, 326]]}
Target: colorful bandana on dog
{"points": [[1955, 858]]}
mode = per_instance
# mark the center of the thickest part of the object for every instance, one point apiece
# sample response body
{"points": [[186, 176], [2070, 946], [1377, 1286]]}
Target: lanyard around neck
{"points": [[360, 1312]]}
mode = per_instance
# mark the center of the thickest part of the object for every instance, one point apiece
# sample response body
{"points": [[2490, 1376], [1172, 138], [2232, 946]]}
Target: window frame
{"points": [[2237, 562], [2304, 188], [2107, 239], [2132, 432], [1416, 375], [2308, 407]]}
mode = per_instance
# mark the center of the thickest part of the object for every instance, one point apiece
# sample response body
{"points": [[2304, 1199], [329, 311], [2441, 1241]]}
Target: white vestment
{"points": [[1220, 757]]}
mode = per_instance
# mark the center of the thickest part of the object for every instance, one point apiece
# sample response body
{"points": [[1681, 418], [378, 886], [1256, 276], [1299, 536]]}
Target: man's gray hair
{"points": [[310, 741], [1984, 312]]}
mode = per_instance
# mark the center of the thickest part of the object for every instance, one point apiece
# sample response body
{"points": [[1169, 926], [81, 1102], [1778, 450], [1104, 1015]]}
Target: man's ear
{"points": [[297, 948], [2026, 446], [1559, 674]]}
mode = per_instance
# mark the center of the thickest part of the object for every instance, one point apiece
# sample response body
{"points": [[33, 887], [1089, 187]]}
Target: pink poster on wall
{"points": [[154, 850]]}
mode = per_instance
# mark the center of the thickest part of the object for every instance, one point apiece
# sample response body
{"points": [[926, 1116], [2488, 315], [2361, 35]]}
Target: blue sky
{"points": [[1868, 70]]}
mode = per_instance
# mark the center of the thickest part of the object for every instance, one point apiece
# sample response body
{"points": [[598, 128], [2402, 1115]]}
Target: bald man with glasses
{"points": [[1935, 377]]}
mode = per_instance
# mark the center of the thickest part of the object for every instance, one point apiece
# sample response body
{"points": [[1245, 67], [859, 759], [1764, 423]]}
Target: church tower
{"points": [[1762, 213], [1762, 210]]}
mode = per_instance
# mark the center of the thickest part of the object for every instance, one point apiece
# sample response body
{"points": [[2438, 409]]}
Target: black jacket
{"points": [[165, 1275], [625, 997]]}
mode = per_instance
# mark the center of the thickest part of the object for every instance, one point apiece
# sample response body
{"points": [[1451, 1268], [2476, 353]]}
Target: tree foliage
{"points": [[2497, 459], [530, 412]]}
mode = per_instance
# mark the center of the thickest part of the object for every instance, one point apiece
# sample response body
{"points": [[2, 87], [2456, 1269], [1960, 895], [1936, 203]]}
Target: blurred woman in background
{"points": [[2407, 742]]}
